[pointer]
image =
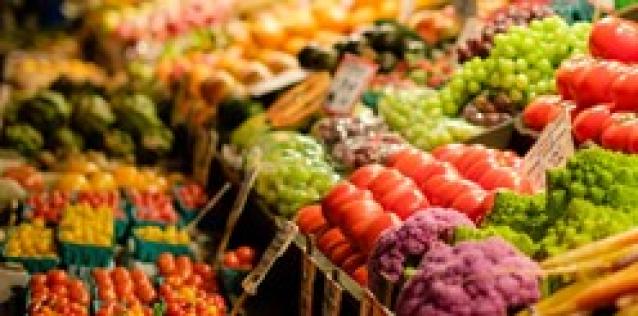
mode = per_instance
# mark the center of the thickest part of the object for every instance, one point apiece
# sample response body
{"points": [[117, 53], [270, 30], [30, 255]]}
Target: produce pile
{"points": [[73, 119]]}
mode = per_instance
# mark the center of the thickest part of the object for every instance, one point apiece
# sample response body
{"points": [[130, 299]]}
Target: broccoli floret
{"points": [[519, 239], [522, 213]]}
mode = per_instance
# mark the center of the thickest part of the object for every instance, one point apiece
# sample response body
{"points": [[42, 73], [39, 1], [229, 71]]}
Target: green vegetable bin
{"points": [[149, 251], [35, 264], [86, 255]]}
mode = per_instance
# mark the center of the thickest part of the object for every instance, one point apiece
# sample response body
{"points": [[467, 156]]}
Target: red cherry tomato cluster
{"points": [[189, 288], [543, 110], [102, 198], [192, 195], [48, 205], [154, 207], [615, 131], [614, 38], [120, 290], [56, 292], [334, 243], [589, 81], [242, 258]]}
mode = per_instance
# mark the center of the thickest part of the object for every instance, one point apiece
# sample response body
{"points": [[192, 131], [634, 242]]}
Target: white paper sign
{"points": [[351, 79]]}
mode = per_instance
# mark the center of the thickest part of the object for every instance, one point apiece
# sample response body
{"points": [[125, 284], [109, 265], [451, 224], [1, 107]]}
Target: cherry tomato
{"points": [[332, 238], [310, 219], [166, 263], [184, 266], [245, 254], [231, 260], [57, 277]]}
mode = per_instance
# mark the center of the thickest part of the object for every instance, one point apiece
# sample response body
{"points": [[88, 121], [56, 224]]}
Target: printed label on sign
{"points": [[276, 249], [351, 79], [332, 294], [308, 273], [552, 149]]}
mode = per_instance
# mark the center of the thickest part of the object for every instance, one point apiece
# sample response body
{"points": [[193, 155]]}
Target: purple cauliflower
{"points": [[473, 278], [405, 245]]}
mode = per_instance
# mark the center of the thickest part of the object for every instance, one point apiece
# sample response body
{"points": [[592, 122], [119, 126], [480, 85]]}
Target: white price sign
{"points": [[552, 149], [352, 77]]}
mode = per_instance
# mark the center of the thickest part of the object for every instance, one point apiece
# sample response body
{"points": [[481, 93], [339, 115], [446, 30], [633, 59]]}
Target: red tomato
{"points": [[231, 260], [398, 155], [204, 270], [393, 196], [597, 82], [361, 202], [410, 202], [369, 238], [386, 181], [433, 169], [470, 203], [245, 254], [310, 219], [494, 178], [632, 143], [473, 154], [409, 164], [340, 253], [107, 295], [435, 188], [616, 135], [541, 111], [332, 238], [352, 262], [363, 176], [450, 152], [566, 73], [478, 169], [614, 38], [359, 212], [360, 275], [624, 92], [57, 276], [38, 279], [455, 188], [336, 194], [590, 123], [166, 263], [137, 275]]}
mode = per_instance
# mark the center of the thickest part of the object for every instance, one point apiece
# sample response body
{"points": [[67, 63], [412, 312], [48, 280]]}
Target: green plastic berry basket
{"points": [[231, 280], [149, 251], [187, 214], [35, 264], [86, 255]]}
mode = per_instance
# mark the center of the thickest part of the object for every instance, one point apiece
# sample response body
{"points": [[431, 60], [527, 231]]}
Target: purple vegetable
{"points": [[473, 278], [402, 247]]}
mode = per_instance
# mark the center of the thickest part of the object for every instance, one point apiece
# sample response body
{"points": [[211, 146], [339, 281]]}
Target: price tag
{"points": [[332, 295], [308, 273], [278, 82], [352, 77], [204, 152], [552, 149], [11, 277], [276, 249], [407, 6]]}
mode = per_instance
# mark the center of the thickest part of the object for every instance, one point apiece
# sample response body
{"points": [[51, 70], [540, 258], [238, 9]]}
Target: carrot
{"points": [[604, 262], [559, 303], [597, 248], [606, 289]]}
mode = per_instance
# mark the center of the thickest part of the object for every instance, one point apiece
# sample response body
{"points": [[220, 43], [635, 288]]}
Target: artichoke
{"points": [[24, 138], [136, 114], [92, 114], [45, 111]]}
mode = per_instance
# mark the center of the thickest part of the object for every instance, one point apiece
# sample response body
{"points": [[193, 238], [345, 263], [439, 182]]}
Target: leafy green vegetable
{"points": [[519, 239], [522, 213]]}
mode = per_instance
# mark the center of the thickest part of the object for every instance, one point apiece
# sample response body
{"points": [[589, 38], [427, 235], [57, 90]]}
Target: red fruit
{"points": [[566, 74], [166, 263], [590, 123], [363, 176], [330, 239], [477, 170], [388, 200], [470, 203], [341, 189], [359, 205], [435, 188], [340, 253], [358, 212], [430, 170], [499, 177], [372, 233], [386, 181], [624, 92], [409, 164], [231, 260], [614, 38], [353, 262], [38, 279], [597, 82], [409, 202], [632, 143], [360, 275], [616, 135], [245, 254], [472, 154], [310, 219], [450, 153], [541, 111], [56, 276]]}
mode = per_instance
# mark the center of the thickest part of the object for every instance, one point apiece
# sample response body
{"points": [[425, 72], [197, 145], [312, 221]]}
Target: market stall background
{"points": [[305, 157]]}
